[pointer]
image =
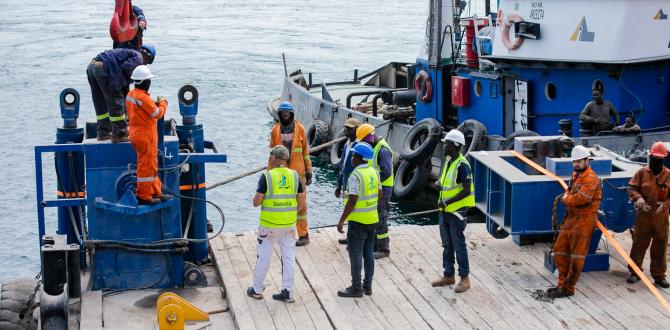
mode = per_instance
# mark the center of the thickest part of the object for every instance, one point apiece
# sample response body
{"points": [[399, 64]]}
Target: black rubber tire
{"points": [[318, 134], [509, 140], [336, 150], [475, 136], [17, 298], [427, 133], [411, 179]]}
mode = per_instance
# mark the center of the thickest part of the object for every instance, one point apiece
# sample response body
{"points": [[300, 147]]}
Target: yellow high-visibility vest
{"points": [[365, 209], [450, 188], [374, 164], [279, 208]]}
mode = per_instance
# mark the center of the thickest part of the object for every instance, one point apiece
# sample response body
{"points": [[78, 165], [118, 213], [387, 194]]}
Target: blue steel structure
{"points": [[129, 245]]}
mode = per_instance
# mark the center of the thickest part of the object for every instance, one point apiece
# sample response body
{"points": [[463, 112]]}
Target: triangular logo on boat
{"points": [[660, 15], [582, 32]]}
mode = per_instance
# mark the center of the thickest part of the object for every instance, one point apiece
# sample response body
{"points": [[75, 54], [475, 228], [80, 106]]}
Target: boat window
{"points": [[597, 84], [550, 91], [478, 88]]}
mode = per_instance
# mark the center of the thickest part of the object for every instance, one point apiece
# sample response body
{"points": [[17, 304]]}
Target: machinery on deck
{"points": [[101, 227]]}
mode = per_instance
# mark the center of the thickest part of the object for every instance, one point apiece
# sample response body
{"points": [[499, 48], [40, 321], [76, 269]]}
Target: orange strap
{"points": [[192, 186], [71, 194], [608, 235]]}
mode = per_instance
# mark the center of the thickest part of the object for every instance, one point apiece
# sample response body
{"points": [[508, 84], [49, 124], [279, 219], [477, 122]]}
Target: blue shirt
{"points": [[119, 64], [345, 163]]}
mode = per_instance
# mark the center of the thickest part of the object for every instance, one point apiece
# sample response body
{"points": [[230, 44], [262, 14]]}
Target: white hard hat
{"points": [[141, 72], [455, 136], [579, 152]]}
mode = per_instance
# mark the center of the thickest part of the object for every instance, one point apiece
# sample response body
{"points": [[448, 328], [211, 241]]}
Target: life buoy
{"points": [[505, 26], [423, 86]]}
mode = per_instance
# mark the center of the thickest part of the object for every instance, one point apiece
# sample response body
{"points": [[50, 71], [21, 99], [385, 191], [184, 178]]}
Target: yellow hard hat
{"points": [[363, 131]]}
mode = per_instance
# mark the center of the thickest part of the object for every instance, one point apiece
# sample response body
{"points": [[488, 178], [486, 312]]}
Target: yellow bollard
{"points": [[172, 311]]}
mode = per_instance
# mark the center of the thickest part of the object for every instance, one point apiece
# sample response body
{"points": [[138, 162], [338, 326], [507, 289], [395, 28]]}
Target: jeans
{"points": [[453, 242], [382, 241], [360, 243]]}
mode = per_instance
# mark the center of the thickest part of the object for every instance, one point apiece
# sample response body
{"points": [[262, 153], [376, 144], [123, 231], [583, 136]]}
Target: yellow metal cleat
{"points": [[173, 311]]}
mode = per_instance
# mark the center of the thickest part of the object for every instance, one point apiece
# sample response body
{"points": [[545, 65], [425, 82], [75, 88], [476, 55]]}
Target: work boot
{"points": [[463, 285], [663, 283], [350, 292], [552, 289], [381, 254], [284, 296], [632, 278], [342, 241], [251, 293], [302, 241], [119, 138], [367, 290], [210, 227], [165, 197], [443, 280], [560, 293], [151, 201], [104, 136]]}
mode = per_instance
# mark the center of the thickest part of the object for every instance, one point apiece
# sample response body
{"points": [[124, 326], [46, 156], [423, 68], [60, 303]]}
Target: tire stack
{"points": [[416, 152], [318, 134], [17, 299]]}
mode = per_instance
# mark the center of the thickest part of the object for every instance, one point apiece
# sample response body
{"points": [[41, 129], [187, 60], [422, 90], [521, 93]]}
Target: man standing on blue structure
{"points": [[457, 195], [136, 42], [281, 196], [360, 211], [109, 76], [382, 161], [350, 126]]}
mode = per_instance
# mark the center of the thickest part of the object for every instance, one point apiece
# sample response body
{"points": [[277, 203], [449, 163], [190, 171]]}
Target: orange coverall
{"points": [[143, 135], [582, 201], [649, 225], [299, 162]]}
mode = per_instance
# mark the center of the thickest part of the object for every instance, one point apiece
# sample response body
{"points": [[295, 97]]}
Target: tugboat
{"points": [[525, 69]]}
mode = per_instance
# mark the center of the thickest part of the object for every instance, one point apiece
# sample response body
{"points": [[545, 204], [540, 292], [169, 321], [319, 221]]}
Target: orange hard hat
{"points": [[363, 131], [659, 150]]}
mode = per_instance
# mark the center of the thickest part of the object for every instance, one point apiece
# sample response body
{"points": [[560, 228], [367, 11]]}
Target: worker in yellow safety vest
{"points": [[360, 211], [456, 197], [281, 196], [382, 161]]}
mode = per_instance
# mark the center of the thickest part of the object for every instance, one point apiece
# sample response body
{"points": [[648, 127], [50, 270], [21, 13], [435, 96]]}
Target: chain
{"points": [[30, 304]]}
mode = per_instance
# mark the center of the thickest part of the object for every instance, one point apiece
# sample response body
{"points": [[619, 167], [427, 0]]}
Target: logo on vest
{"points": [[283, 182], [281, 204]]}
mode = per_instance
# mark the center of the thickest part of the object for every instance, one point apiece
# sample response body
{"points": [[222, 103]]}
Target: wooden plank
{"points": [[278, 310], [235, 291], [521, 279], [309, 300], [419, 264], [243, 270], [614, 305], [337, 316], [366, 312], [380, 298], [479, 297], [91, 310]]}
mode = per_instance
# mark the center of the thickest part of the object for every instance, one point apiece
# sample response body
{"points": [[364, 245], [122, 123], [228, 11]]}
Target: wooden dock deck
{"points": [[503, 277]]}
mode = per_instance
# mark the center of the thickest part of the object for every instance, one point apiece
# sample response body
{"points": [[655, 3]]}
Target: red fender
{"points": [[123, 26], [423, 86]]}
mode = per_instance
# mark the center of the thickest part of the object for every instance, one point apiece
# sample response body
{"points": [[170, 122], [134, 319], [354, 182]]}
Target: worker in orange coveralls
{"points": [[143, 113], [292, 135], [649, 191], [582, 200]]}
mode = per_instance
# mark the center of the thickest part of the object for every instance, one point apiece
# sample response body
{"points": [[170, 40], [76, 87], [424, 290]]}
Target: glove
{"points": [[143, 24], [338, 191], [660, 207], [308, 178], [161, 98], [641, 204]]}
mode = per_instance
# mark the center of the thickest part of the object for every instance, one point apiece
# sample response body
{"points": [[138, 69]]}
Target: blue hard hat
{"points": [[364, 150], [287, 106], [151, 50]]}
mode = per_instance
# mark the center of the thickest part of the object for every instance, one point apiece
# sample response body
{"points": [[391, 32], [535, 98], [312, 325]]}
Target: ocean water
{"points": [[230, 50]]}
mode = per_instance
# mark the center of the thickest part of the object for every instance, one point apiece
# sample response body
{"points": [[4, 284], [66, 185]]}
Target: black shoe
{"points": [[284, 296], [350, 292], [663, 283], [552, 289], [165, 197], [152, 201], [119, 138], [302, 241], [104, 136], [560, 293], [381, 254], [342, 241], [367, 291], [251, 293], [210, 227], [632, 278]]}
